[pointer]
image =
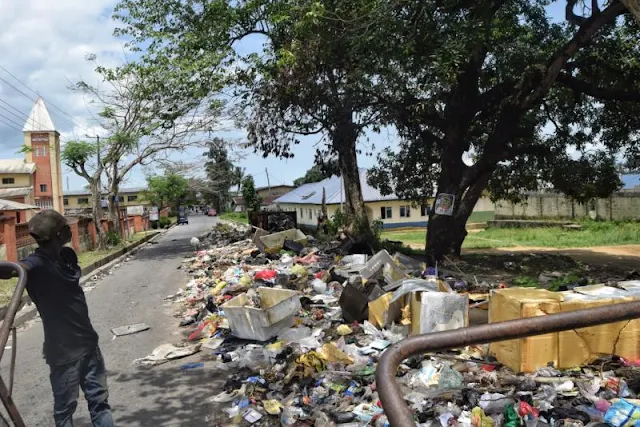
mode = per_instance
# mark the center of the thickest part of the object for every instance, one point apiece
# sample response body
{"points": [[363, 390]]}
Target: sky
{"points": [[43, 50]]}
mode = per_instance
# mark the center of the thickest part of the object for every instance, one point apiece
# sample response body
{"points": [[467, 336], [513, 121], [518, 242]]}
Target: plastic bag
{"points": [[450, 379], [622, 414], [480, 419], [511, 418], [494, 403]]}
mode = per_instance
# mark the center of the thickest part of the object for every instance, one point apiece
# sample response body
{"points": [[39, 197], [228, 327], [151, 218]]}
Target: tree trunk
{"points": [[634, 7], [345, 143], [96, 212], [445, 234]]}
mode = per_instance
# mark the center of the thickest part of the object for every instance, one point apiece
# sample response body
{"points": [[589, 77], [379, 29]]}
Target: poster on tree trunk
{"points": [[444, 204]]}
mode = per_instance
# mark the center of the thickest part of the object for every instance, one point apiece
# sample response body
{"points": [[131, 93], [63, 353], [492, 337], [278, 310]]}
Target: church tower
{"points": [[43, 141]]}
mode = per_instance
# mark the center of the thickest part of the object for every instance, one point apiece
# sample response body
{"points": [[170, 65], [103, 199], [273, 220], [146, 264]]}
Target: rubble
{"points": [[299, 330]]}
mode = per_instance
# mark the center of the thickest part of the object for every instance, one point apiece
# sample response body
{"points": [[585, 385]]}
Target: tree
{"points": [[496, 95], [221, 174], [252, 201], [79, 156], [313, 78], [168, 190], [314, 174], [143, 124]]}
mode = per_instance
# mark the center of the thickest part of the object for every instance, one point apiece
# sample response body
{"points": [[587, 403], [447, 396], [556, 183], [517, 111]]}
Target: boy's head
{"points": [[50, 228]]}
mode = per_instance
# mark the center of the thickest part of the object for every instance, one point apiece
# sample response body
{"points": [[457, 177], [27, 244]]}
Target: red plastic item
{"points": [[266, 275], [525, 409]]}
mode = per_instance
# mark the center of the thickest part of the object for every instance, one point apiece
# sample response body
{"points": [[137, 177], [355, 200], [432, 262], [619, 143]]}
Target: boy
{"points": [[70, 342]]}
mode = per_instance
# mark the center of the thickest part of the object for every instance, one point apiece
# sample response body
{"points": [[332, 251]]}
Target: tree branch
{"points": [[605, 94]]}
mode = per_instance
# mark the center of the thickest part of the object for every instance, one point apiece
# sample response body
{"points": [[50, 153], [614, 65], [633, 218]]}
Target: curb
{"points": [[28, 312]]}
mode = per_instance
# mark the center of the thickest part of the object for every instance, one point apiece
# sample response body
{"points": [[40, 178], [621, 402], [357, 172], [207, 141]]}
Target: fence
{"points": [[16, 242], [23, 238], [619, 207]]}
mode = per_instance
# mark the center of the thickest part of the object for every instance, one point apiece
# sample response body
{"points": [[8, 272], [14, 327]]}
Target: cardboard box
{"points": [[565, 349]]}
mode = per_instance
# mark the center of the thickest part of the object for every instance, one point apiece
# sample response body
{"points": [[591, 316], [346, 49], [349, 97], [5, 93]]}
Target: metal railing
{"points": [[395, 407], [6, 329]]}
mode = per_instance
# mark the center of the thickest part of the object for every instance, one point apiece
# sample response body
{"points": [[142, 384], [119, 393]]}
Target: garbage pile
{"points": [[299, 331]]}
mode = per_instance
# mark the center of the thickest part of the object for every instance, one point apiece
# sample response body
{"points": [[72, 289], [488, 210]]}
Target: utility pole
{"points": [[268, 183]]}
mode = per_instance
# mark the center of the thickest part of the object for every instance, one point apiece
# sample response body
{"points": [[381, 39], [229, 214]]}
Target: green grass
{"points": [[236, 216], [6, 290], [89, 257], [593, 233]]}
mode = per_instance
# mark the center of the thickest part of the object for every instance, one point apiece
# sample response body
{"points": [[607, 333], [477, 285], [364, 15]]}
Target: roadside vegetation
{"points": [[592, 233], [236, 216]]}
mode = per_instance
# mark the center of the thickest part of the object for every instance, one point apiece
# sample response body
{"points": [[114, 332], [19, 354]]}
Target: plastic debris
{"points": [[297, 330]]}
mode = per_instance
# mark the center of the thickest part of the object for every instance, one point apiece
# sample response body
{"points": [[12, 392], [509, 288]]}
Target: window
{"points": [[310, 214], [405, 211], [8, 180], [424, 210], [40, 150], [83, 200], [43, 188], [386, 212], [65, 202], [132, 198]]}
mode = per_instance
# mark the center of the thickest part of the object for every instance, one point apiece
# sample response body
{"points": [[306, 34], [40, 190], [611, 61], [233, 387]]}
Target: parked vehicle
{"points": [[183, 218], [212, 212]]}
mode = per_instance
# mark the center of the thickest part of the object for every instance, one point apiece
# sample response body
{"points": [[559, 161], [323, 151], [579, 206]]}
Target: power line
{"points": [[9, 111], [70, 122], [11, 121]]}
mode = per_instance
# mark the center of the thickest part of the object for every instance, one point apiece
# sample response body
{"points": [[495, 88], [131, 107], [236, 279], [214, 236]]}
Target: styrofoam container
{"points": [[279, 306]]}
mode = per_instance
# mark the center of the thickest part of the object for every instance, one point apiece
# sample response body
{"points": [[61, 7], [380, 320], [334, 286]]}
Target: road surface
{"points": [[139, 396]]}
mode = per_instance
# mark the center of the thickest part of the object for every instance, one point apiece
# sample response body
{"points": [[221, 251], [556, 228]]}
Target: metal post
{"points": [[393, 402]]}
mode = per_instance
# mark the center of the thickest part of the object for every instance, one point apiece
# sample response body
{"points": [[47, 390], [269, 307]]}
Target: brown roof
{"points": [[268, 200]]}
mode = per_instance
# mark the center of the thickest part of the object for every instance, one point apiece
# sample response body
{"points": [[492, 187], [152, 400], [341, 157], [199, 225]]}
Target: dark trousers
{"points": [[88, 373]]}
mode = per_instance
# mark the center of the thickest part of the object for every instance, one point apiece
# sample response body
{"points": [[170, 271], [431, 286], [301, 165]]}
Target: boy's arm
{"points": [[8, 272]]}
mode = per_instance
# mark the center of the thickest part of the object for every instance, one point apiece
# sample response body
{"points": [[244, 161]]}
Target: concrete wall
{"points": [[620, 206]]}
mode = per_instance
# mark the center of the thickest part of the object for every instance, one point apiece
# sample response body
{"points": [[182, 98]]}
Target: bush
{"points": [[112, 238], [164, 222]]}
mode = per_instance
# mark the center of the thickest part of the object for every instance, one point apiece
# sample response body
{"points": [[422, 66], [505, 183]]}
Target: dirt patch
{"points": [[508, 265]]}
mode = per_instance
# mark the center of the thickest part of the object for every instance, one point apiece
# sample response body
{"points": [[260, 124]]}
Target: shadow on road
{"points": [[178, 397]]}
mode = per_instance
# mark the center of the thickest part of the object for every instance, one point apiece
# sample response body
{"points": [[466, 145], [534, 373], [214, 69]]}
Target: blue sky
{"points": [[44, 44]]}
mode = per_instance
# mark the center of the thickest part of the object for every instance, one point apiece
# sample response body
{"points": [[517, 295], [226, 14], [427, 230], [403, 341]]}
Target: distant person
{"points": [[70, 342]]}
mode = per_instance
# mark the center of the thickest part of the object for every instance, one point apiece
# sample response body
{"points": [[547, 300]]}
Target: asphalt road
{"points": [[140, 396]]}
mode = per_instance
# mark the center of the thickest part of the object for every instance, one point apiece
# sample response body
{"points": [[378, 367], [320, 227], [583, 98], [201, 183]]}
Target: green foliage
{"points": [[252, 201], [315, 174], [568, 279], [337, 221], [163, 191], [77, 154], [221, 175], [236, 216], [112, 239], [164, 222], [526, 282]]}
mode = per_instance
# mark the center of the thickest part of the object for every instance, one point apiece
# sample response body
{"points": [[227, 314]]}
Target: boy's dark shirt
{"points": [[55, 290]]}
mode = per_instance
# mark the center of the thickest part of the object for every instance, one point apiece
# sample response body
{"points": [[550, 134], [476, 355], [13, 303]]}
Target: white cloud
{"points": [[44, 45]]}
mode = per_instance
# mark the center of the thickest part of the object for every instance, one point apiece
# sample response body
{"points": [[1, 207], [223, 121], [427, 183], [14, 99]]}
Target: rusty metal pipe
{"points": [[5, 330], [395, 407], [14, 305]]}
